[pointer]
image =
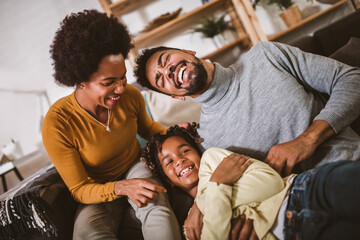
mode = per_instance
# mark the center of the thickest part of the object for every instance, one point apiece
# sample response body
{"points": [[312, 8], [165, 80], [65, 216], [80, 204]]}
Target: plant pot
{"points": [[219, 40], [291, 16]]}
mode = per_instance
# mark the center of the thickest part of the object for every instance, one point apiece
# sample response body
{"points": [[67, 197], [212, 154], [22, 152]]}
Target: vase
{"points": [[219, 40], [291, 16]]}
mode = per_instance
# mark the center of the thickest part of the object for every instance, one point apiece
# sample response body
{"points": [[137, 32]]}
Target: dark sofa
{"points": [[326, 41], [56, 207]]}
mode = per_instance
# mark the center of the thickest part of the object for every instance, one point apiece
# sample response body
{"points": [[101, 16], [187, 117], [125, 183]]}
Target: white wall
{"points": [[27, 28], [26, 31]]}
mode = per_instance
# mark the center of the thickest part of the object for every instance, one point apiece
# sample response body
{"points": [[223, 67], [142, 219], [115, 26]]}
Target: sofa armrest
{"points": [[337, 34], [39, 207]]}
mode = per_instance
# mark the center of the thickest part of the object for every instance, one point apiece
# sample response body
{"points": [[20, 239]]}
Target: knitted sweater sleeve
{"points": [[340, 81]]}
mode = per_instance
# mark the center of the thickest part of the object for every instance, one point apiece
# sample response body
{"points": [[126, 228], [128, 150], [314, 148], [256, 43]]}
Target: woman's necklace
{"points": [[108, 121]]}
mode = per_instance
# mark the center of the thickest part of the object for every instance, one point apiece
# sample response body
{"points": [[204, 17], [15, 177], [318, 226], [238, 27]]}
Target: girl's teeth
{"points": [[186, 170]]}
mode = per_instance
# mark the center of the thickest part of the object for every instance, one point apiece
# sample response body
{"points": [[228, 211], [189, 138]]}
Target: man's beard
{"points": [[198, 79]]}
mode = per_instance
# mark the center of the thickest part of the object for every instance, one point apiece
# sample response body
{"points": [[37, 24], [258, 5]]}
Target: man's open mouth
{"points": [[179, 74]]}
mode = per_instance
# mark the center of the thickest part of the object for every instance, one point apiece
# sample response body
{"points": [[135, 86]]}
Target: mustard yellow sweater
{"points": [[88, 158]]}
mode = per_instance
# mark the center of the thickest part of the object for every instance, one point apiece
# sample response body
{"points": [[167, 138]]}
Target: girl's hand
{"points": [[139, 191], [231, 169]]}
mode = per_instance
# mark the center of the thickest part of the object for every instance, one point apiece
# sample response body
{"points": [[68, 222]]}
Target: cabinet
{"points": [[244, 23]]}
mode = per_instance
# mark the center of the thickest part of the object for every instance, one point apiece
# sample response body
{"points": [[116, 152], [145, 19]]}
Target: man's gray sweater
{"points": [[267, 97]]}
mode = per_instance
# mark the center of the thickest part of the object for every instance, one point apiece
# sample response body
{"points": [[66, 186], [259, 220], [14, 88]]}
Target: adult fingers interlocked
{"points": [[139, 191]]}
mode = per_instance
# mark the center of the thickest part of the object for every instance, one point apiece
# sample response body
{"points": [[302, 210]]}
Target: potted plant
{"points": [[290, 12], [214, 27]]}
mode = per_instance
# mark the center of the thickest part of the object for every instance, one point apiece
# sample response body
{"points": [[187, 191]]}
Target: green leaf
{"points": [[210, 27]]}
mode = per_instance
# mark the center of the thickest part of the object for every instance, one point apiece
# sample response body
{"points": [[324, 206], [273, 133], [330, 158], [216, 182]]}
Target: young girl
{"points": [[321, 203]]}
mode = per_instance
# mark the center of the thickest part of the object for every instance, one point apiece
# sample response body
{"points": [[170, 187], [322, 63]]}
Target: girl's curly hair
{"points": [[154, 146], [82, 41]]}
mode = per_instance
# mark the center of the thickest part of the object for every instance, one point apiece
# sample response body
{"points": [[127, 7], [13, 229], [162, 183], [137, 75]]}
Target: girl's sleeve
{"points": [[217, 202]]}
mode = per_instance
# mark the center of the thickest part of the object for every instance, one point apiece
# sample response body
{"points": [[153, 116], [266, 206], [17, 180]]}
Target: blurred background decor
{"points": [[214, 27], [12, 150], [164, 18]]}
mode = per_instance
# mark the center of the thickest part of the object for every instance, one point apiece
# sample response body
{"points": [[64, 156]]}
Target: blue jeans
{"points": [[324, 203]]}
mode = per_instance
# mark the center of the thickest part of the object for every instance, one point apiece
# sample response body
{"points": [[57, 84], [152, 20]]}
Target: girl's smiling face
{"points": [[180, 162]]}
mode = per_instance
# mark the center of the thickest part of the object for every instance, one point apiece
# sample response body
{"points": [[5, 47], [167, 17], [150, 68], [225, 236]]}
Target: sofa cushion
{"points": [[337, 34], [169, 111]]}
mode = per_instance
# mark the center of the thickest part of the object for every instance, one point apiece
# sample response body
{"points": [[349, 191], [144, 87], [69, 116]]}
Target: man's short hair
{"points": [[140, 70]]}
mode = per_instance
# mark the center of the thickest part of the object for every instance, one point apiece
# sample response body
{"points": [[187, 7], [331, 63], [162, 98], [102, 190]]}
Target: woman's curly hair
{"points": [[154, 146], [82, 41]]}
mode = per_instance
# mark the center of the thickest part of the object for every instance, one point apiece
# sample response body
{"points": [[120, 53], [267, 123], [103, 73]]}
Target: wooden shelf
{"points": [[181, 21], [227, 46], [306, 20], [122, 7], [238, 11]]}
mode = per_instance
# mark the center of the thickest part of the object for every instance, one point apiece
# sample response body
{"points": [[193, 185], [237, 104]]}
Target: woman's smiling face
{"points": [[106, 85], [180, 162]]}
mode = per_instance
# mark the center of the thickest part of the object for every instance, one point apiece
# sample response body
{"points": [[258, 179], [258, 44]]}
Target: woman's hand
{"points": [[193, 223], [139, 191], [231, 169]]}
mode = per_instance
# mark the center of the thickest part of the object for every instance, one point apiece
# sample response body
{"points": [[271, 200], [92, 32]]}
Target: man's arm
{"points": [[317, 73], [341, 82]]}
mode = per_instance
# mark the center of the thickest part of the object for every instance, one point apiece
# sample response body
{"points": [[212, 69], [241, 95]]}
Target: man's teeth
{"points": [[181, 74], [114, 98], [186, 170]]}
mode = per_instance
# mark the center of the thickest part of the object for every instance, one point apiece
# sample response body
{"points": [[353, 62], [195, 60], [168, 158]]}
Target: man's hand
{"points": [[193, 223], [139, 191], [231, 169], [283, 157], [242, 229]]}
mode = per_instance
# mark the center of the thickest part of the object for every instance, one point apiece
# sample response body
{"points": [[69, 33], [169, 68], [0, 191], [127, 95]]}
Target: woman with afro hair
{"points": [[90, 135]]}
